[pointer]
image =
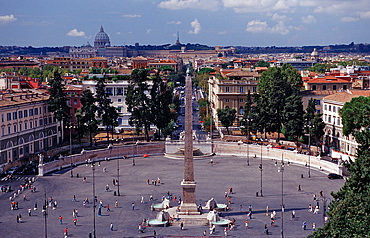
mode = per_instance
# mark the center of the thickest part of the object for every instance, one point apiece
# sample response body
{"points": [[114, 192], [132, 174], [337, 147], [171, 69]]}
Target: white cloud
{"points": [[118, 33], [242, 6], [193, 4], [75, 32], [7, 19], [196, 27], [174, 22], [308, 19], [365, 15], [222, 32], [131, 15], [148, 31], [349, 19], [257, 26], [277, 17]]}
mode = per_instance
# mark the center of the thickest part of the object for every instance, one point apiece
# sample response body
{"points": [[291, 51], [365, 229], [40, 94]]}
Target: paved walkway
{"points": [[212, 182]]}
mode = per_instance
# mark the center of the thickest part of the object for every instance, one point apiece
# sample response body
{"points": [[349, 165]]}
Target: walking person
{"points": [[75, 221], [116, 204], [133, 206], [61, 220], [246, 224], [314, 226], [74, 198], [142, 199], [108, 208], [29, 212], [111, 226], [181, 226], [226, 231], [304, 225]]}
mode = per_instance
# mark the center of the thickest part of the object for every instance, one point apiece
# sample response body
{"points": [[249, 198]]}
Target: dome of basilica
{"points": [[101, 39]]}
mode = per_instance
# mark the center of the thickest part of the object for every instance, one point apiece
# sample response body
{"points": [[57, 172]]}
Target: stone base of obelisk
{"points": [[188, 205], [187, 220]]}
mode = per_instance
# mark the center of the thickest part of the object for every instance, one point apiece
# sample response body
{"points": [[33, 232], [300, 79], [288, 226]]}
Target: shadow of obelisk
{"points": [[188, 204]]}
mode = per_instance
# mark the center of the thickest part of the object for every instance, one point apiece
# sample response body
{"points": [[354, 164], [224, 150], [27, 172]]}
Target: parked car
{"points": [[335, 176], [277, 147], [12, 170]]}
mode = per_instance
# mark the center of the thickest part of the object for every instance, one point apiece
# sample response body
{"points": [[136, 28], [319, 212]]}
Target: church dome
{"points": [[101, 39]]}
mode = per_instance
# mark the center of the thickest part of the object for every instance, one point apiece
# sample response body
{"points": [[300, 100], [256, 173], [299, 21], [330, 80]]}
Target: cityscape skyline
{"points": [[211, 22]]}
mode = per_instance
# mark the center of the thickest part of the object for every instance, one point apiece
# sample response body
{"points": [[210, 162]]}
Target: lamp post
{"points": [[94, 200], [281, 170], [261, 170], [324, 201], [309, 149], [45, 213], [118, 194], [248, 141]]}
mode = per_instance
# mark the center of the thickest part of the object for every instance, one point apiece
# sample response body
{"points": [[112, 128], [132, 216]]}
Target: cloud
{"points": [[277, 17], [118, 33], [75, 32], [257, 26], [196, 27], [193, 4], [7, 19], [131, 15], [349, 19], [148, 31], [174, 22], [365, 15], [308, 19], [242, 6], [222, 32]]}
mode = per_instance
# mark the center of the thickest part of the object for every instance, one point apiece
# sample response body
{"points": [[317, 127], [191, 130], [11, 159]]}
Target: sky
{"points": [[211, 22]]}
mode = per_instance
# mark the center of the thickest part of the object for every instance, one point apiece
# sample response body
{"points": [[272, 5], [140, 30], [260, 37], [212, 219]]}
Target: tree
{"points": [[318, 68], [138, 102], [88, 110], [57, 100], [351, 204], [313, 123], [249, 120], [108, 114], [278, 87], [262, 63], [206, 71], [293, 117], [227, 117]]}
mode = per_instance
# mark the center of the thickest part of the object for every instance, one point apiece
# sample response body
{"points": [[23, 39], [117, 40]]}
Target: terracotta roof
{"points": [[327, 79], [14, 98], [347, 95]]}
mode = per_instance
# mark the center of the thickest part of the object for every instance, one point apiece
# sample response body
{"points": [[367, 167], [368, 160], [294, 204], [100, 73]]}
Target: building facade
{"points": [[27, 127]]}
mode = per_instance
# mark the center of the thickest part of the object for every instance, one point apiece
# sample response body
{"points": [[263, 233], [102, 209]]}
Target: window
{"points": [[74, 101], [241, 100], [329, 119], [2, 131], [14, 115], [119, 100], [334, 87], [325, 107], [344, 87], [8, 116], [125, 90], [318, 102], [227, 89], [35, 124], [31, 125], [20, 127], [325, 117], [109, 91], [241, 110], [15, 128], [31, 112], [45, 121], [20, 114], [25, 125], [119, 109], [323, 87], [9, 130], [25, 112], [2, 117], [254, 89], [120, 91], [36, 111], [40, 122], [227, 100], [241, 89], [329, 108], [338, 121], [334, 109], [313, 87]]}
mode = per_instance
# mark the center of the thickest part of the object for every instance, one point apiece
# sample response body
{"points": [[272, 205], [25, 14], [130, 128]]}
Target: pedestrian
{"points": [[24, 198], [293, 214], [151, 197], [314, 226], [316, 210], [241, 208], [267, 211], [321, 195], [61, 220], [154, 234], [66, 231], [272, 222], [210, 229], [266, 230], [142, 199], [111, 226], [74, 198], [226, 231], [250, 208], [114, 182], [116, 204], [249, 215], [310, 208], [304, 225], [159, 180], [75, 221], [17, 218], [107, 188], [246, 224], [133, 206], [204, 232], [29, 211], [84, 179], [314, 197], [104, 170], [299, 187], [181, 226], [108, 208]]}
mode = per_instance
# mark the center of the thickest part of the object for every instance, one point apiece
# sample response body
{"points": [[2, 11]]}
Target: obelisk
{"points": [[188, 204]]}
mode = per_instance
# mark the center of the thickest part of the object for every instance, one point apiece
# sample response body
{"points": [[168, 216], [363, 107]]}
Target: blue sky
{"points": [[210, 22]]}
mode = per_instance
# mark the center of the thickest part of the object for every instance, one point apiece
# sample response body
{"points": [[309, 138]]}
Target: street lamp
{"points": [[70, 126], [118, 194], [261, 170], [45, 213], [94, 200], [281, 169], [248, 141], [324, 201], [309, 149]]}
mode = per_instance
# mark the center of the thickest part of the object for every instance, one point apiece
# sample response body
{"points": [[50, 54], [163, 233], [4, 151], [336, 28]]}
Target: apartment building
{"points": [[337, 144], [232, 91], [27, 127]]}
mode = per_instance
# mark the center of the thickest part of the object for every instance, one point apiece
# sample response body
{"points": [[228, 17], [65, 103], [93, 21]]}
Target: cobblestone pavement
{"points": [[212, 182]]}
